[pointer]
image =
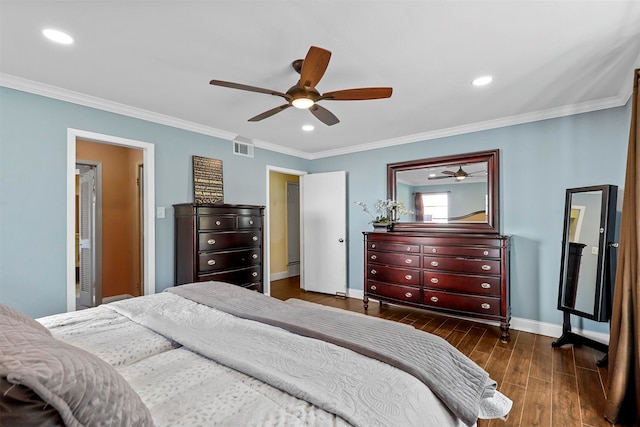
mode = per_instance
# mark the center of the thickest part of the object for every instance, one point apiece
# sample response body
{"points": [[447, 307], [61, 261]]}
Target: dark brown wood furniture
{"points": [[466, 275], [219, 242]]}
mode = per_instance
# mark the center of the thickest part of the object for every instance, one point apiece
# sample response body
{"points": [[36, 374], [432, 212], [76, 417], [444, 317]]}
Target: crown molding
{"points": [[37, 88], [568, 110], [54, 92]]}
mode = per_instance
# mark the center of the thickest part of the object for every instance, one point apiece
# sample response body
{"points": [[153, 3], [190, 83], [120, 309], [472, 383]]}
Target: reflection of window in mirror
{"points": [[575, 222], [435, 206]]}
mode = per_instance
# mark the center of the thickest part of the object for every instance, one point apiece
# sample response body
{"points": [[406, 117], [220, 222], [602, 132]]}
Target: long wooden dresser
{"points": [[460, 274], [220, 243]]}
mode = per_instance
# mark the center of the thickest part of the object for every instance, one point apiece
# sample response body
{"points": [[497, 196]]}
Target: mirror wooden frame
{"points": [[492, 226]]}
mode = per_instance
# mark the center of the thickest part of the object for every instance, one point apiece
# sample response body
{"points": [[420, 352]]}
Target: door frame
{"points": [[267, 227], [148, 156]]}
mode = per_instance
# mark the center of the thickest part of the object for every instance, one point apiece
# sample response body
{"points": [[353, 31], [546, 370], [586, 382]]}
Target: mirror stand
{"points": [[569, 337], [588, 261]]}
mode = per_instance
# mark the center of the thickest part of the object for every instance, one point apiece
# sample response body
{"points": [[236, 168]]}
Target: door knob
{"points": [[341, 240]]}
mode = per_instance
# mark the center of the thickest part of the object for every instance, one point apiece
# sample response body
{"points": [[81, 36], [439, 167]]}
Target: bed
{"points": [[212, 353]]}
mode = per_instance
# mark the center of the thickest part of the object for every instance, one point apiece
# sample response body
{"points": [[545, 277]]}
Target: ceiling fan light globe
{"points": [[302, 103]]}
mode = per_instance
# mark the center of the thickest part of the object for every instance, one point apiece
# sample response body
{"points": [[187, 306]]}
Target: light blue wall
{"points": [[33, 146], [538, 162]]}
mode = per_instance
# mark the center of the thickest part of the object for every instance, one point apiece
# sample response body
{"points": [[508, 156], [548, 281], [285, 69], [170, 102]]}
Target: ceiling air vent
{"points": [[242, 146]]}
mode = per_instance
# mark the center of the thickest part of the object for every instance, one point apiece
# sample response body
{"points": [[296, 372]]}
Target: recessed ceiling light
{"points": [[308, 128], [57, 36], [482, 81]]}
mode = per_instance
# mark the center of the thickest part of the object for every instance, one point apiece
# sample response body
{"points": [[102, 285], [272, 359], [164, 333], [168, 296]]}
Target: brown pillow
{"points": [[84, 389], [11, 314], [21, 407]]}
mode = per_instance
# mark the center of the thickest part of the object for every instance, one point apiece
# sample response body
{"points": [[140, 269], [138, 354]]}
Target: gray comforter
{"points": [[454, 378]]}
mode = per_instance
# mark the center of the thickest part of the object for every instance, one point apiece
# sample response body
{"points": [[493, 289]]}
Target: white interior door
{"points": [[323, 217]]}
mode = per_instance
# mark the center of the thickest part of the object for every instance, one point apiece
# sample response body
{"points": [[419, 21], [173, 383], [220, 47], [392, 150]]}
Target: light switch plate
{"points": [[160, 212]]}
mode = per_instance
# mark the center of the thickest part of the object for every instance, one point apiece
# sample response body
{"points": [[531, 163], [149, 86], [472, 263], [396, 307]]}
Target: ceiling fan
{"points": [[304, 94], [458, 175]]}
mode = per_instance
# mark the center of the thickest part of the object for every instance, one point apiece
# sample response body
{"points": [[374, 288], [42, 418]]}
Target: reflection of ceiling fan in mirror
{"points": [[458, 175], [304, 94]]}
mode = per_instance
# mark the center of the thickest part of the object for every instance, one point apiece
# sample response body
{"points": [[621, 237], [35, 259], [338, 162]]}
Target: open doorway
{"points": [[283, 254], [140, 275]]}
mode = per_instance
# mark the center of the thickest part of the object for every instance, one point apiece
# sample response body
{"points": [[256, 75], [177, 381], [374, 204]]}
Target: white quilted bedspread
{"points": [[184, 386]]}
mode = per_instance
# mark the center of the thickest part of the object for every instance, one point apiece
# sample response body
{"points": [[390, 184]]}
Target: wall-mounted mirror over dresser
{"points": [[449, 256]]}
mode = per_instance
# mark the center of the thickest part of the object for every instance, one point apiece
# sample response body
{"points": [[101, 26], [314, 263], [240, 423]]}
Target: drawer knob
{"points": [[434, 280], [408, 261], [255, 238], [211, 262], [254, 256], [211, 241], [254, 274], [485, 253], [434, 299], [408, 295], [374, 257], [373, 246], [250, 222], [218, 222], [485, 306], [373, 287], [486, 267], [434, 263], [434, 250], [408, 248], [408, 277], [485, 286], [373, 271]]}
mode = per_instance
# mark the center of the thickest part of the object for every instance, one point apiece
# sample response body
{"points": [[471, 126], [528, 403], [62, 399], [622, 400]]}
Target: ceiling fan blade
{"points": [[440, 177], [269, 113], [247, 87], [314, 66], [451, 173], [360, 94], [324, 115]]}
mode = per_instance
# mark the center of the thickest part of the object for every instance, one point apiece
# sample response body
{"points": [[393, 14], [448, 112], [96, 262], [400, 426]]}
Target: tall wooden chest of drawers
{"points": [[460, 274], [219, 242]]}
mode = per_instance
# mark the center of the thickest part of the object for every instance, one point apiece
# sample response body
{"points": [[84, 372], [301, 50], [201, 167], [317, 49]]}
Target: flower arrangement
{"points": [[388, 210]]}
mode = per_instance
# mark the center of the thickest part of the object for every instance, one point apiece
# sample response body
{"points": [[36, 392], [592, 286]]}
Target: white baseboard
{"points": [[521, 324]]}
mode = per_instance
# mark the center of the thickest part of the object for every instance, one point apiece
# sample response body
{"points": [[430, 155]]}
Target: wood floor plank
{"points": [[565, 404], [497, 364], [542, 360], [470, 340], [563, 360], [592, 400], [537, 403], [519, 365]]}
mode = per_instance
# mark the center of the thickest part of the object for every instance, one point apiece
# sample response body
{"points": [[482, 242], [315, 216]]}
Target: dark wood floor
{"points": [[548, 386]]}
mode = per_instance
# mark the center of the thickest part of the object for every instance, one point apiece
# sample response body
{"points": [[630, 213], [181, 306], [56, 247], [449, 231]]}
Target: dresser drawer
{"points": [[393, 258], [466, 265], [405, 293], [224, 240], [395, 247], [216, 222], [242, 277], [458, 302], [249, 222], [212, 261], [482, 285], [403, 276], [466, 251]]}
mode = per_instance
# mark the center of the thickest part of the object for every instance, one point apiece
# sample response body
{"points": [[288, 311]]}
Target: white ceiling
{"points": [[154, 59]]}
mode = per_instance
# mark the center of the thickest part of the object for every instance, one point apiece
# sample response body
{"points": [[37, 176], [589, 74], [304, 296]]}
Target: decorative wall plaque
{"points": [[207, 181]]}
